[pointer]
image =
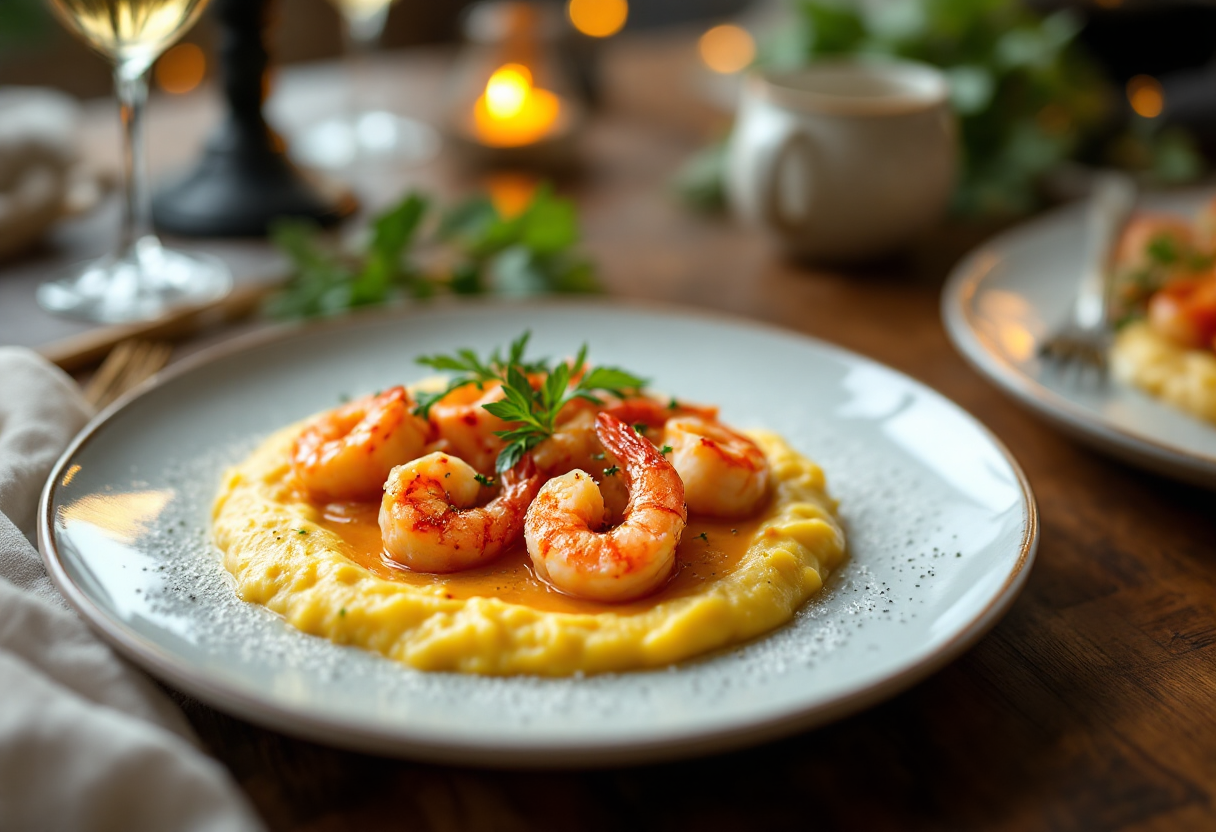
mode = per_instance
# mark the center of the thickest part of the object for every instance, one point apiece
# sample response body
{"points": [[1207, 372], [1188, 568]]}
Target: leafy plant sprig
{"points": [[472, 370], [481, 251], [533, 394]]}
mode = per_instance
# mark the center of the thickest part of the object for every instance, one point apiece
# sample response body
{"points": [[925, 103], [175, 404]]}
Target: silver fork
{"points": [[1083, 342]]}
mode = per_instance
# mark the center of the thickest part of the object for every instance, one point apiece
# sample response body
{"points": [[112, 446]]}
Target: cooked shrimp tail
{"points": [[429, 519], [346, 453], [565, 525], [725, 473]]}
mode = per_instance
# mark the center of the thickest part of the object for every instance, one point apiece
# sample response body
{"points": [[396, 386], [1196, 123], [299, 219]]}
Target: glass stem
{"points": [[362, 37], [131, 87]]}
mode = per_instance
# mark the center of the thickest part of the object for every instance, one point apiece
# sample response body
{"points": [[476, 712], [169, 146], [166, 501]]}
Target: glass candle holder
{"points": [[512, 96]]}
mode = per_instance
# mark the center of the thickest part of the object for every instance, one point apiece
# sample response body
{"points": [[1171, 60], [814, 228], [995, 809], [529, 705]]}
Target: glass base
{"points": [[146, 283], [375, 135]]}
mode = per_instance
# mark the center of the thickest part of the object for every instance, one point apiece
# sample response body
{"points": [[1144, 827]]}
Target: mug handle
{"points": [[770, 201]]}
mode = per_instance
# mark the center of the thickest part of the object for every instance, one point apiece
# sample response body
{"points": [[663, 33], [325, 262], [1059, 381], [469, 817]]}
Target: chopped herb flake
{"points": [[612, 472]]}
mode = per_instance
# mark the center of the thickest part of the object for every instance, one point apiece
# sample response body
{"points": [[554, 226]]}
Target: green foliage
{"points": [[1026, 96], [534, 395], [23, 24], [699, 180], [528, 254]]}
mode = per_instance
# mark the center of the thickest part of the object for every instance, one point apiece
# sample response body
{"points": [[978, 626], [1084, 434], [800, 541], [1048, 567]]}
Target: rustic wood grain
{"points": [[1091, 706]]}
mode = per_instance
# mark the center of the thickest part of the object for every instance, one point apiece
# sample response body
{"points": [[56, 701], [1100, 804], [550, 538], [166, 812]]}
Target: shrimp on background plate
{"points": [[429, 519], [346, 453], [564, 527]]}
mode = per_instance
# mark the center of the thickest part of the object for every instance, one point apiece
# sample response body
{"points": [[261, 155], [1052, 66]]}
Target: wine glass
{"points": [[361, 131], [143, 279]]}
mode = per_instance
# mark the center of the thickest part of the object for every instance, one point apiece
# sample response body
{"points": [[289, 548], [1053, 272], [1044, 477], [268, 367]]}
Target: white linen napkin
{"points": [[87, 742], [38, 134]]}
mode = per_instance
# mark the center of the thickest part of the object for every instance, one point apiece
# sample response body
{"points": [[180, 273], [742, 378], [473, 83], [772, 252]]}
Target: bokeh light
{"points": [[511, 191], [1145, 95], [598, 18], [727, 48], [507, 90], [181, 68]]}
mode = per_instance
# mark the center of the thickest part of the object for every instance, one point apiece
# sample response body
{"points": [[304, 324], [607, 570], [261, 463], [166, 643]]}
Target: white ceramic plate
{"points": [[941, 526], [1006, 297]]}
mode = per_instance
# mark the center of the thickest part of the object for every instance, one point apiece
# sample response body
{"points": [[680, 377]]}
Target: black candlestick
{"points": [[244, 180]]}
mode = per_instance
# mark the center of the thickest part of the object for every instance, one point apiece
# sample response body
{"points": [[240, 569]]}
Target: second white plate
{"points": [[1006, 297], [940, 521]]}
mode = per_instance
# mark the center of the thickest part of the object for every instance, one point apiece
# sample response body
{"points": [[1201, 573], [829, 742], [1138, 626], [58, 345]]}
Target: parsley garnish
{"points": [[472, 370], [488, 482], [640, 427], [612, 471], [673, 404], [703, 536], [301, 531], [665, 450], [1163, 249], [532, 410], [600, 455]]}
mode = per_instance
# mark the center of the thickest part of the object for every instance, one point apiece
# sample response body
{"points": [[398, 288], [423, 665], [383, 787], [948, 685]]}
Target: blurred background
{"points": [[1127, 83], [34, 49]]}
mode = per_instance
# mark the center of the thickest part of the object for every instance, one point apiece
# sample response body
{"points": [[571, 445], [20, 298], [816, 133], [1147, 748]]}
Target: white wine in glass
{"points": [[143, 280], [363, 132]]}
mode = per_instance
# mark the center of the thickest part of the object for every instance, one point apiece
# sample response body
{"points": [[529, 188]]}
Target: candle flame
{"points": [[507, 90], [512, 112]]}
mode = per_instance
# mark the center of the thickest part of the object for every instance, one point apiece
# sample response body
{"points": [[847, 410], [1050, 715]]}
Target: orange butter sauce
{"points": [[510, 578]]}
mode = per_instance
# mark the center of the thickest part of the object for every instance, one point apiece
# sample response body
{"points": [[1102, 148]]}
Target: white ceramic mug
{"points": [[843, 160]]}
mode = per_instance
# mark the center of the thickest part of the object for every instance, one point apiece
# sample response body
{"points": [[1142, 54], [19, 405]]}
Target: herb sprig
{"points": [[533, 392], [415, 251]]}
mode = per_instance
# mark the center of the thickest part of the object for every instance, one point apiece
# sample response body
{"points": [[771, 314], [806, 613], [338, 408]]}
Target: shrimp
{"points": [[725, 474], [346, 454], [563, 525], [1185, 312], [653, 413], [1132, 250], [429, 520], [466, 429]]}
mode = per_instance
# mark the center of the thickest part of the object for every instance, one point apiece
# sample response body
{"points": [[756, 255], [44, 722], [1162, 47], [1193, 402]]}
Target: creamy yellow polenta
{"points": [[287, 557], [1185, 378]]}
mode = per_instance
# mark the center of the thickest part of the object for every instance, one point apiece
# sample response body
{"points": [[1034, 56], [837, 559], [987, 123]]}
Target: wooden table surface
{"points": [[1092, 705]]}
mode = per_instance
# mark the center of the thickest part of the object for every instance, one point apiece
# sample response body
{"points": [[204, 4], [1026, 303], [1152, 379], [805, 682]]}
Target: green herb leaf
{"points": [[1163, 249], [533, 394], [528, 254]]}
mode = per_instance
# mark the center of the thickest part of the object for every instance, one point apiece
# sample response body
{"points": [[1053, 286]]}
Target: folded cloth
{"points": [[38, 134], [87, 742]]}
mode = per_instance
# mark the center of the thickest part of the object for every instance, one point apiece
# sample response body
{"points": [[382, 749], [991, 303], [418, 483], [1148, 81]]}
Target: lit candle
{"points": [[512, 112]]}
